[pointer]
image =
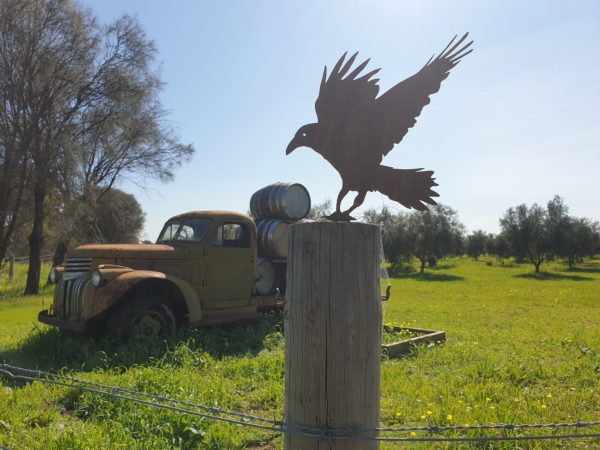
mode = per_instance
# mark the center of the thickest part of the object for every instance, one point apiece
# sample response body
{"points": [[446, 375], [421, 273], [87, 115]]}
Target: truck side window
{"points": [[232, 235]]}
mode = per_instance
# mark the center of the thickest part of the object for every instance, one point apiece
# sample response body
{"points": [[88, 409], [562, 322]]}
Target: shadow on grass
{"points": [[543, 276], [443, 266], [49, 349], [507, 265], [584, 269], [428, 276]]}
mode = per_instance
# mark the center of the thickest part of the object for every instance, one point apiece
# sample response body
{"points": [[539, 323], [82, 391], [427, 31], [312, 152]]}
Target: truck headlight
{"points": [[56, 273], [96, 279]]}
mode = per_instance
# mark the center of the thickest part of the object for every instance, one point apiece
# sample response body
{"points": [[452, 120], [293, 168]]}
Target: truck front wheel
{"points": [[146, 315]]}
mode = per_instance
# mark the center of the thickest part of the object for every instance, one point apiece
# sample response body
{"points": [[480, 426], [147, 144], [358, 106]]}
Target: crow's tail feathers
{"points": [[409, 187]]}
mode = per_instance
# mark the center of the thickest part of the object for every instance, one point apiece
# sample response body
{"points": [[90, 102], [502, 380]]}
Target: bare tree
{"points": [[87, 104]]}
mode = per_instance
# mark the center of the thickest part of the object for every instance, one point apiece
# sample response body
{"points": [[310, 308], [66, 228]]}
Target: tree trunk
{"points": [[537, 267], [36, 242], [10, 213], [59, 254], [422, 265]]}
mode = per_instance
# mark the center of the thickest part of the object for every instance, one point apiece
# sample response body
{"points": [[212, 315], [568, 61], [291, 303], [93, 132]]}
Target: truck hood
{"points": [[123, 251]]}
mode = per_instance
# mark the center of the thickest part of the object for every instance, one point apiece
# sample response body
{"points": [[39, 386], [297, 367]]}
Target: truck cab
{"points": [[201, 271]]}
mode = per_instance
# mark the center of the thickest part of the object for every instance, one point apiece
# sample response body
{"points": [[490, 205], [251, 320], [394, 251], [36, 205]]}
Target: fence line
{"points": [[276, 426], [12, 260], [21, 259]]}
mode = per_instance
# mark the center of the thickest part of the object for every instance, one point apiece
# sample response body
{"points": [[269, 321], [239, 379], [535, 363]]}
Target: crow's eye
{"points": [[303, 134]]}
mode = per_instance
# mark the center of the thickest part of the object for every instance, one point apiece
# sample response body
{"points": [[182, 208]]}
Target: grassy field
{"points": [[520, 348]]}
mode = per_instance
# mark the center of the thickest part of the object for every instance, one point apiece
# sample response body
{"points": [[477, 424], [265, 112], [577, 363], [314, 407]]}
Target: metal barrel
{"points": [[266, 276], [289, 201], [272, 238]]}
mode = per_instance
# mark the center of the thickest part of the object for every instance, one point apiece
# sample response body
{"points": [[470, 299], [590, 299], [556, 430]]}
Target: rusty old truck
{"points": [[201, 271]]}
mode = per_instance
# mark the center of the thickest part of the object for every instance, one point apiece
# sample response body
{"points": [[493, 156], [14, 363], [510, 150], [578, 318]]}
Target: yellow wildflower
{"points": [[423, 417], [543, 406], [449, 417], [549, 395], [429, 413], [398, 414], [413, 434]]}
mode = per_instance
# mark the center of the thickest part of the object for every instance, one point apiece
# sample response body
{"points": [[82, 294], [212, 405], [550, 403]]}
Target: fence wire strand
{"points": [[277, 426]]}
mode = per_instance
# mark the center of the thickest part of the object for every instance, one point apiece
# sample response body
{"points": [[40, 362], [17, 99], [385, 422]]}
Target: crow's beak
{"points": [[291, 147]]}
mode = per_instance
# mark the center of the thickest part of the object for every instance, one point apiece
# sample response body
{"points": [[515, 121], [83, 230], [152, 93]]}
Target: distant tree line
{"points": [[79, 111], [425, 236], [528, 233]]}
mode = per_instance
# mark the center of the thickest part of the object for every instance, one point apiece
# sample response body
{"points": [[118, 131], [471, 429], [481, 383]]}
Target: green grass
{"points": [[521, 348]]}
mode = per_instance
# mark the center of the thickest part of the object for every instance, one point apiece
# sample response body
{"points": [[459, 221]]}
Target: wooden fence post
{"points": [[11, 269], [333, 333]]}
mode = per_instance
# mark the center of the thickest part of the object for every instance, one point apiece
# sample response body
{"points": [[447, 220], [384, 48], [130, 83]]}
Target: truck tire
{"points": [[145, 315]]}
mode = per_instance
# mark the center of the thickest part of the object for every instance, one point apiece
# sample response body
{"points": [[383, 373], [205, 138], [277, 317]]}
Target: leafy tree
{"points": [[318, 211], [119, 217], [595, 244], [558, 226], [385, 219], [395, 240], [476, 244], [498, 246], [80, 100], [433, 234], [579, 240], [526, 229]]}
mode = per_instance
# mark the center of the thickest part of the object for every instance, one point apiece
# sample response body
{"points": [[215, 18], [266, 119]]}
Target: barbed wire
{"points": [[278, 426], [214, 410]]}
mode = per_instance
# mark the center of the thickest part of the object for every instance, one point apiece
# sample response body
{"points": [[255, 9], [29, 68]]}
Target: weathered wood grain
{"points": [[332, 331]]}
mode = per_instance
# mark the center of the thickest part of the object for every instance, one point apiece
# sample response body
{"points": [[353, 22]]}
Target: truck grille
{"points": [[72, 296], [78, 264]]}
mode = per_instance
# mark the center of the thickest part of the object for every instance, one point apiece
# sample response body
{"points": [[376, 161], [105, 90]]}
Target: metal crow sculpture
{"points": [[356, 129]]}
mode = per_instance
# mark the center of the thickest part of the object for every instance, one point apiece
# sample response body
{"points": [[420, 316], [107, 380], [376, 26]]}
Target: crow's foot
{"points": [[339, 216]]}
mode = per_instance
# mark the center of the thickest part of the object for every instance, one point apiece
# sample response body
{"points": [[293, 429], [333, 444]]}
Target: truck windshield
{"points": [[190, 230]]}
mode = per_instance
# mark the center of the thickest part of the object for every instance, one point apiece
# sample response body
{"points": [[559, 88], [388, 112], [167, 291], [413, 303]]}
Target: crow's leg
{"points": [[337, 214], [341, 195], [358, 200]]}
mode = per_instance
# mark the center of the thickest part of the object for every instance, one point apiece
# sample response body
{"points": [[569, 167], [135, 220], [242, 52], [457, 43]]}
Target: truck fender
{"points": [[191, 298], [129, 283]]}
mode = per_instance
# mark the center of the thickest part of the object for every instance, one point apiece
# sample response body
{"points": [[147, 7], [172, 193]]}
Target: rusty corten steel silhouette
{"points": [[356, 129]]}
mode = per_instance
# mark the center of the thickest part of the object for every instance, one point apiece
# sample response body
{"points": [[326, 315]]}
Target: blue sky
{"points": [[517, 121]]}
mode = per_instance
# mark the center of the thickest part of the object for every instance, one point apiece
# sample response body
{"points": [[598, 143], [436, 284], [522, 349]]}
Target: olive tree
{"points": [[498, 246], [579, 239], [526, 229], [427, 235], [475, 244]]}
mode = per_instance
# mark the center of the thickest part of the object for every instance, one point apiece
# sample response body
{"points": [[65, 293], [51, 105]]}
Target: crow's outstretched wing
{"points": [[342, 100], [397, 110]]}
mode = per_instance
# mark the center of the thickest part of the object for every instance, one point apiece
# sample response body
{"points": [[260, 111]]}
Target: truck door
{"points": [[228, 266]]}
